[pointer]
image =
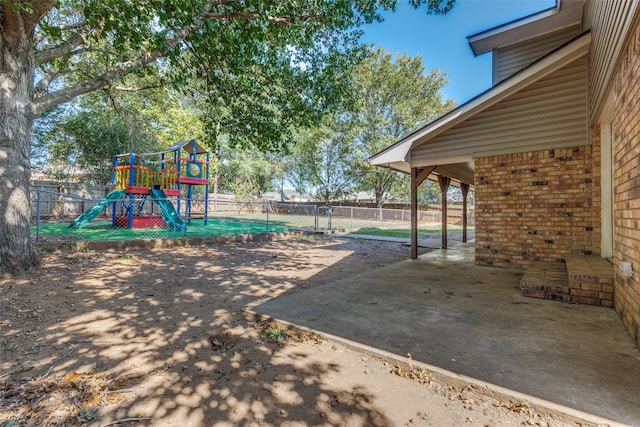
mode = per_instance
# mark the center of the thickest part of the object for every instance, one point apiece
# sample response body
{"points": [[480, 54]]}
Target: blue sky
{"points": [[442, 39]]}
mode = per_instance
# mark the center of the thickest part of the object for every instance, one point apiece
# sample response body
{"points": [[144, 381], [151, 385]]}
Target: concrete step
{"points": [[580, 280]]}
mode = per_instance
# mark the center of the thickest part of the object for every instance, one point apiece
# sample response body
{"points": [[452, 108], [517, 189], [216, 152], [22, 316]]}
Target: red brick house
{"points": [[552, 149]]}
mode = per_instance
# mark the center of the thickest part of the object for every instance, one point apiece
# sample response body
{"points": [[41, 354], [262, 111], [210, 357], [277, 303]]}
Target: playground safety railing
{"points": [[144, 177]]}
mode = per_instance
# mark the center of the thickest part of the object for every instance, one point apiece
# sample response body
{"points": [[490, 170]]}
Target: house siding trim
{"points": [[610, 22], [513, 58], [555, 106], [399, 152]]}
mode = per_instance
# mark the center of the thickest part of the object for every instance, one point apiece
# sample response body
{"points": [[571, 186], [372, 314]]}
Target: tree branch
{"points": [[138, 89], [75, 26], [50, 100], [13, 24], [39, 9], [44, 82], [62, 49], [120, 70], [255, 16]]}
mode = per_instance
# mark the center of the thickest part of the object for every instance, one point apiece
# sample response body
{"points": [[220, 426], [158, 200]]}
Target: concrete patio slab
{"points": [[447, 312]]}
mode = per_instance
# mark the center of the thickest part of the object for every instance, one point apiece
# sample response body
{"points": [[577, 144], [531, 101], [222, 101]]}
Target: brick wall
{"points": [[596, 195], [535, 206], [626, 166]]}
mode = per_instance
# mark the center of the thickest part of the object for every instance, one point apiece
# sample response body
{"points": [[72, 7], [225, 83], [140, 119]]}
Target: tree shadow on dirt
{"points": [[161, 338]]}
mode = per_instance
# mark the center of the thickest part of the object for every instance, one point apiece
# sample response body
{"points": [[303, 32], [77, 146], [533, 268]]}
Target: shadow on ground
{"points": [[160, 338], [472, 320]]}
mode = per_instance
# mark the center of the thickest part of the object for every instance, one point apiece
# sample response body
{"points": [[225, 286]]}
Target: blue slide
{"points": [[169, 213], [95, 210]]}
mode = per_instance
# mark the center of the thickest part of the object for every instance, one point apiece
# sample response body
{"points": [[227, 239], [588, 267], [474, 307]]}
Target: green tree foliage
{"points": [[247, 173], [271, 63], [80, 142], [428, 191], [394, 97], [84, 145], [322, 161]]}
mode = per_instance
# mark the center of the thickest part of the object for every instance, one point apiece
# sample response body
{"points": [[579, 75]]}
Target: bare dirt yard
{"points": [[162, 338]]}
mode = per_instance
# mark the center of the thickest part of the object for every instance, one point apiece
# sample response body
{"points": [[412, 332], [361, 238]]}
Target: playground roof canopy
{"points": [[187, 145]]}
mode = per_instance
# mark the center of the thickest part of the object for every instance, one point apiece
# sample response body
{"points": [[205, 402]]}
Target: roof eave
{"points": [[402, 166], [563, 15], [399, 152]]}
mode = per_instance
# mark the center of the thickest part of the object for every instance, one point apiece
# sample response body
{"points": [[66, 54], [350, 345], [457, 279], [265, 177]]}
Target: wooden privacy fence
{"points": [[62, 200]]}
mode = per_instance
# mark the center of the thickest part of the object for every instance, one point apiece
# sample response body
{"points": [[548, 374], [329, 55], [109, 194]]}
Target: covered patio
{"points": [[541, 107], [472, 320]]}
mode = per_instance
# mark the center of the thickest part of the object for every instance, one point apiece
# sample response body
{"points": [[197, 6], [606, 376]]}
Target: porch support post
{"points": [[464, 187], [418, 175], [414, 213], [444, 182]]}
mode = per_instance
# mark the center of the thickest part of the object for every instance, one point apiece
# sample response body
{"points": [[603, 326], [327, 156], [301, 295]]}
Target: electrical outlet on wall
{"points": [[626, 269]]}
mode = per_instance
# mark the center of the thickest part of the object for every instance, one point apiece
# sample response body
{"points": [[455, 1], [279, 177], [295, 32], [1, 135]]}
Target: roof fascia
{"points": [[562, 15], [400, 151], [481, 42]]}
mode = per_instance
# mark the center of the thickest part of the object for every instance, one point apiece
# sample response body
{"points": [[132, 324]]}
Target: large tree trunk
{"points": [[17, 251], [382, 187], [379, 194]]}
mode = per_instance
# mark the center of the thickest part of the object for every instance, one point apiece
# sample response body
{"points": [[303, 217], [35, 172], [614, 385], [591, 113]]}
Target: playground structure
{"points": [[173, 172]]}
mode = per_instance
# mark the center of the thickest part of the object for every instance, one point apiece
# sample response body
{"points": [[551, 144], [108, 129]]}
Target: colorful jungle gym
{"points": [[158, 176]]}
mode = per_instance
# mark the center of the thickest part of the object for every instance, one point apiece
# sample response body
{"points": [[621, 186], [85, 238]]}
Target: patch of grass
{"points": [[405, 233], [276, 332], [87, 415]]}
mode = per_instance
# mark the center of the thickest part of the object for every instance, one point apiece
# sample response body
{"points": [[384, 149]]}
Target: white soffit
{"points": [[564, 14]]}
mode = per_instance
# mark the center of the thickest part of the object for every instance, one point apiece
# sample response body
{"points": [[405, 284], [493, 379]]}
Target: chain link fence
{"points": [[60, 217], [355, 218]]}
